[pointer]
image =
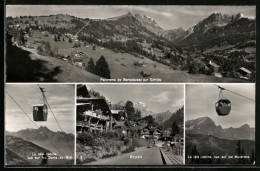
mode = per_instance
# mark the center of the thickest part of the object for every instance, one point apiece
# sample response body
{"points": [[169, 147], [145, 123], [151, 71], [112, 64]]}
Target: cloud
{"points": [[162, 97], [153, 11]]}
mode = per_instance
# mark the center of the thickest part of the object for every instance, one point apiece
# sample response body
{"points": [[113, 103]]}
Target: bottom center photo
{"points": [[130, 124]]}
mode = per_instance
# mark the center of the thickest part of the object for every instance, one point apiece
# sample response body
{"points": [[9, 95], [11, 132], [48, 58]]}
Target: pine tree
{"points": [[55, 38], [70, 40], [242, 154], [252, 159], [21, 39], [39, 50], [194, 153], [175, 129], [47, 48], [102, 68], [91, 66], [238, 150]]}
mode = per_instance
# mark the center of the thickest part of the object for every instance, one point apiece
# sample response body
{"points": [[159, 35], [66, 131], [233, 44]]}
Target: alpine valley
{"points": [[60, 48]]}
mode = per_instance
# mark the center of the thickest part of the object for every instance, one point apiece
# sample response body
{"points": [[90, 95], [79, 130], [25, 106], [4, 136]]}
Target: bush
{"points": [[109, 155], [112, 135], [145, 74], [40, 50], [87, 160], [137, 64], [77, 45], [139, 142], [86, 139], [129, 149]]}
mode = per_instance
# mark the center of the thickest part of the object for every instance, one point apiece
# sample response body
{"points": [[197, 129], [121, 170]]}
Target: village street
{"points": [[141, 156]]}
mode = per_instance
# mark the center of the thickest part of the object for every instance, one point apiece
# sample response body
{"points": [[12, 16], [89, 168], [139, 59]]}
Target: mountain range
{"points": [[18, 150], [206, 126], [213, 29], [167, 118], [26, 141]]}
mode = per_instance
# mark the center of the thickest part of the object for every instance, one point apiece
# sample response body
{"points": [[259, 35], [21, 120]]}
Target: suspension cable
{"points": [[54, 117], [221, 88], [33, 122]]}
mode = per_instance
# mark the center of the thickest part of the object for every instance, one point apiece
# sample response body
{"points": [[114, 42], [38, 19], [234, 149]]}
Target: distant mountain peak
{"points": [[205, 119], [206, 126], [43, 128], [237, 16], [245, 126]]}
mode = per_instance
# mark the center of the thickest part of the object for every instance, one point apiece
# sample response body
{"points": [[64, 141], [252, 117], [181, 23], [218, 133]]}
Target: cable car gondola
{"points": [[40, 111], [223, 105]]}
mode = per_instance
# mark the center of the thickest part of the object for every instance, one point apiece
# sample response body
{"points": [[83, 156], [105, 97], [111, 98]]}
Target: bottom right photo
{"points": [[220, 124]]}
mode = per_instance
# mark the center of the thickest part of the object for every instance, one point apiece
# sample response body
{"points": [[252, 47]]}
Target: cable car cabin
{"points": [[40, 112], [223, 107]]}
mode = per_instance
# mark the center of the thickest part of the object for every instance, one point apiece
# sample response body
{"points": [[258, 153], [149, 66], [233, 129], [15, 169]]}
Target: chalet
{"points": [[120, 125], [157, 133], [93, 114], [244, 73], [78, 62], [144, 133], [119, 114], [81, 53], [214, 66]]}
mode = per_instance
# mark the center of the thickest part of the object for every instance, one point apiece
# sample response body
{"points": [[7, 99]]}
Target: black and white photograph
{"points": [[130, 124], [220, 124], [130, 43], [39, 124]]}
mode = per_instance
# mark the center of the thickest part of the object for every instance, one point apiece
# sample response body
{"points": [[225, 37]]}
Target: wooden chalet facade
{"points": [[93, 114]]}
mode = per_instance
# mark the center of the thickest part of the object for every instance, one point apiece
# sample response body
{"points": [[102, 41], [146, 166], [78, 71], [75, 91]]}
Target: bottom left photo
{"points": [[39, 124]]}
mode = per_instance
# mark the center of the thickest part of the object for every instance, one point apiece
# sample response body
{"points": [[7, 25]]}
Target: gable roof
{"points": [[213, 64], [245, 70], [77, 60]]}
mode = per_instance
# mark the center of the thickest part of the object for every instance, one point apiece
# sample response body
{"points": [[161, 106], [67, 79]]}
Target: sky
{"points": [[157, 97], [61, 98], [167, 17], [201, 99]]}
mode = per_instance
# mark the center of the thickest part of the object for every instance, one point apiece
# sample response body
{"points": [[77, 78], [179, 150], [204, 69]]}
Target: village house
{"points": [[78, 62], [93, 114], [119, 115], [214, 66], [244, 73]]}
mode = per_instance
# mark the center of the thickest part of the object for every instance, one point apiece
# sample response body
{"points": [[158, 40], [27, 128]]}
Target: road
{"points": [[141, 156]]}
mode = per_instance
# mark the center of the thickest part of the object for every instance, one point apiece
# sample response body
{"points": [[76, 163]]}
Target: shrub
{"points": [[40, 50], [114, 153], [129, 149], [87, 160], [145, 74], [139, 142], [86, 138]]}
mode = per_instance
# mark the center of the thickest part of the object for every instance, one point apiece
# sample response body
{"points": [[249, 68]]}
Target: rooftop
{"points": [[245, 70]]}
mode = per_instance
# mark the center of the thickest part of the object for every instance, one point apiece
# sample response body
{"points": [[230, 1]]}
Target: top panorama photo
{"points": [[112, 43]]}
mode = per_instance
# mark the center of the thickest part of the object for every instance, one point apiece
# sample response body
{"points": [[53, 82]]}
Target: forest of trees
{"points": [[196, 156]]}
